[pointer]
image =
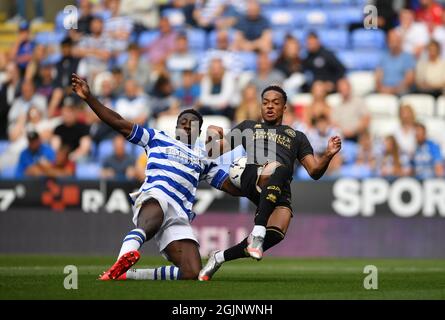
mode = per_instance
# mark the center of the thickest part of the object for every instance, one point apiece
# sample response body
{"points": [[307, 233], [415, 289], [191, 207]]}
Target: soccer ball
{"points": [[236, 170]]}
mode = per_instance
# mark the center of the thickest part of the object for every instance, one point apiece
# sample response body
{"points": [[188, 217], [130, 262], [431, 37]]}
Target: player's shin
{"points": [[161, 273], [273, 236], [132, 241]]}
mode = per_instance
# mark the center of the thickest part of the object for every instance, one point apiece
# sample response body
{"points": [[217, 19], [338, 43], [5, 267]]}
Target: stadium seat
{"points": [[219, 121], [382, 105], [175, 16], [88, 171], [349, 151], [106, 148], [49, 38], [3, 145], [211, 39], [146, 38], [301, 99], [8, 172], [345, 16], [435, 129], [382, 127], [368, 39], [279, 36], [333, 100], [362, 82], [249, 60], [422, 104], [316, 17], [280, 18], [197, 39], [440, 105], [299, 34], [337, 2], [360, 59], [166, 124], [358, 171], [334, 39]]}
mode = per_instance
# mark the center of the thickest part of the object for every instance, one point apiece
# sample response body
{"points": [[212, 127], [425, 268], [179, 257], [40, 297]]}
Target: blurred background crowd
{"points": [[380, 89]]}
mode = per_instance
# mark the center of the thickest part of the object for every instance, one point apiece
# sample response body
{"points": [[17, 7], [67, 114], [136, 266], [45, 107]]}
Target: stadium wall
{"points": [[343, 218]]}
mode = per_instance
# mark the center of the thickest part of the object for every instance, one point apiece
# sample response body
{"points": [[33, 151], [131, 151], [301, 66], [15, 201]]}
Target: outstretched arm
{"points": [[316, 167], [113, 119]]}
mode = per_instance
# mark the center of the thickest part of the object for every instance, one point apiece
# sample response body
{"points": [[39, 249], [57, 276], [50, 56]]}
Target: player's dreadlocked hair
{"points": [[194, 112], [275, 88]]}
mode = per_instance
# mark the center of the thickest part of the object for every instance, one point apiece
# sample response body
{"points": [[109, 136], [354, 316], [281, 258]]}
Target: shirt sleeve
{"points": [[140, 135], [214, 175], [304, 147], [435, 152]]}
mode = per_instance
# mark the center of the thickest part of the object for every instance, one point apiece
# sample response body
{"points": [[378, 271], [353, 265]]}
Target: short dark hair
{"points": [[195, 113], [277, 89]]}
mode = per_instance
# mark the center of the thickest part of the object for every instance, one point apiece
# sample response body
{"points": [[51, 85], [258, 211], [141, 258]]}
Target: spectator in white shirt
{"points": [[133, 106], [405, 134], [415, 35], [217, 91], [430, 72]]}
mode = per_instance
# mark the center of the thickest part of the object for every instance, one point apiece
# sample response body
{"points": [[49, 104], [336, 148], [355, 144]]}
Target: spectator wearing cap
{"points": [[322, 63], [61, 167], [253, 32], [427, 160], [29, 98], [62, 83], [72, 133], [119, 165], [35, 152], [23, 48], [395, 74]]}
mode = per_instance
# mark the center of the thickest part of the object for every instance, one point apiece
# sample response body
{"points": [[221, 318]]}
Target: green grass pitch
{"points": [[41, 277]]}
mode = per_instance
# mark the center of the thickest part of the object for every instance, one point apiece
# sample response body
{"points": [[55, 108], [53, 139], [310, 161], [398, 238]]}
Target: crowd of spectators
{"points": [[144, 64]]}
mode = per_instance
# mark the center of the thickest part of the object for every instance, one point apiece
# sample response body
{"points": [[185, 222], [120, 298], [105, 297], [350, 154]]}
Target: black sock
{"points": [[273, 236], [270, 194], [237, 251]]}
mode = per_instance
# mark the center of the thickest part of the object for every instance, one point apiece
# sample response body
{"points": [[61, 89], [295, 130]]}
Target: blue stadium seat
{"points": [[49, 38], [337, 2], [278, 37], [334, 38], [58, 21], [175, 16], [301, 3], [122, 58], [3, 145], [360, 59], [8, 172], [299, 34], [249, 60], [146, 38], [356, 171], [311, 18], [197, 39], [106, 148], [88, 170], [211, 38], [345, 16], [349, 152], [281, 17], [368, 39]]}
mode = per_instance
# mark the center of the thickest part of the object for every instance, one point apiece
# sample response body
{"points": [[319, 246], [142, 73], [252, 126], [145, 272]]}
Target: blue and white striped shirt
{"points": [[174, 169]]}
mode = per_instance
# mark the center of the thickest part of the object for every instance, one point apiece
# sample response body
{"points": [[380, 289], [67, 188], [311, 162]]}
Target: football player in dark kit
{"points": [[272, 150]]}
